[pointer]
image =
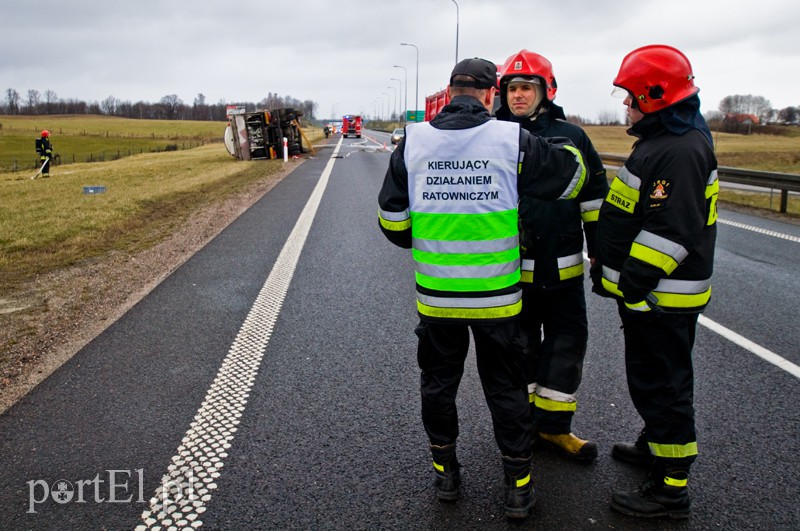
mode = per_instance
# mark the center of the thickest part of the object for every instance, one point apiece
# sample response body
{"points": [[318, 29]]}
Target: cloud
{"points": [[342, 54]]}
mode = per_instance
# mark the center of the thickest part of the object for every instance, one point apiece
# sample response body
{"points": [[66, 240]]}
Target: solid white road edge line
{"points": [[759, 230], [186, 487], [756, 349], [745, 343]]}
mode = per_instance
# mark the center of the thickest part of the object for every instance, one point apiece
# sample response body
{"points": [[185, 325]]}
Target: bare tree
{"points": [[33, 100], [608, 118], [789, 115], [170, 106], [109, 105], [12, 96], [50, 99], [749, 104]]}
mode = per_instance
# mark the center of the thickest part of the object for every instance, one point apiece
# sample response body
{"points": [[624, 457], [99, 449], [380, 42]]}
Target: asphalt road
{"points": [[271, 383]]}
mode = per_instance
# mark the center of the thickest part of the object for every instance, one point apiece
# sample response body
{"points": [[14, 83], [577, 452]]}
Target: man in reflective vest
{"points": [[450, 194], [655, 255], [553, 300]]}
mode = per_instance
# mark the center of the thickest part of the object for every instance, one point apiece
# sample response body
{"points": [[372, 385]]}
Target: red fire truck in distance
{"points": [[351, 125]]}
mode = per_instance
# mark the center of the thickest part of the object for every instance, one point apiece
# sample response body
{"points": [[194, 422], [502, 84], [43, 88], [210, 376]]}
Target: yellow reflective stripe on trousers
{"points": [[523, 481], [673, 451], [675, 482], [438, 467], [553, 405]]}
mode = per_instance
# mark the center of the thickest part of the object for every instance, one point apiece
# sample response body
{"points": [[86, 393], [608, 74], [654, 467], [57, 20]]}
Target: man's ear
{"points": [[488, 99]]}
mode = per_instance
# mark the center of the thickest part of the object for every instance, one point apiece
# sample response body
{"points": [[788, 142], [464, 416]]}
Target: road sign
{"points": [[415, 116]]}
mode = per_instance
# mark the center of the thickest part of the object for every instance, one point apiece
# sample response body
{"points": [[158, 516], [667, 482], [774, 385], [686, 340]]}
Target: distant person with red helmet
{"points": [[45, 150], [551, 241], [655, 254]]}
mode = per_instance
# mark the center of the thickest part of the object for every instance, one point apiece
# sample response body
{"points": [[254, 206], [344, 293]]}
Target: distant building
{"points": [[744, 119]]}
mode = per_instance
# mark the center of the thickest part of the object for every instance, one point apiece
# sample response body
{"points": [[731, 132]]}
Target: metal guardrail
{"points": [[785, 182]]}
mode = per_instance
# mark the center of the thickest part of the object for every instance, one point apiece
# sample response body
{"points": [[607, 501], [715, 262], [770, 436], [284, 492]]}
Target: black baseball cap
{"points": [[483, 72]]}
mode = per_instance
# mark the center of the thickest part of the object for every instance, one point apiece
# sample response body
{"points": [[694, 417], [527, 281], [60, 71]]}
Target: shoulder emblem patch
{"points": [[660, 190]]}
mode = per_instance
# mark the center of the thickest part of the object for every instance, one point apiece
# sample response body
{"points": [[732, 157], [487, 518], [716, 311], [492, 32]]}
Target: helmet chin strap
{"points": [[538, 106]]}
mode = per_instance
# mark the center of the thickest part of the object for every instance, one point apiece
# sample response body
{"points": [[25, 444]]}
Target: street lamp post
{"points": [[416, 92], [456, 3], [399, 94], [394, 100], [405, 104], [387, 101]]}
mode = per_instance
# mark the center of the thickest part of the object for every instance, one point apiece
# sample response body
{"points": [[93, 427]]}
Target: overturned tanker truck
{"points": [[259, 135]]}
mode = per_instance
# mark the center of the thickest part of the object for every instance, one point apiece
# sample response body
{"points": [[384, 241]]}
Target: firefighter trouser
{"points": [[441, 353], [658, 365], [45, 166], [554, 321]]}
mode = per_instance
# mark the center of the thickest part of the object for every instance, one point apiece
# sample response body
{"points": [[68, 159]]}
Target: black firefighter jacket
{"points": [[657, 227], [553, 231]]}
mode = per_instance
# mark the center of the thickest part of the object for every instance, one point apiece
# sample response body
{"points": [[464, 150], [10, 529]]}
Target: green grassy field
{"points": [[88, 138], [47, 224]]}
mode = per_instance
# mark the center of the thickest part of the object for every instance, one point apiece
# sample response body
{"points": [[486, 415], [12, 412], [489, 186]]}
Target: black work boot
{"points": [[667, 496], [637, 454], [520, 495], [447, 474]]}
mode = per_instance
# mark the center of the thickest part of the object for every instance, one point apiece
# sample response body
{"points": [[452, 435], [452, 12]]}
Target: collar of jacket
{"points": [[538, 124], [460, 112]]}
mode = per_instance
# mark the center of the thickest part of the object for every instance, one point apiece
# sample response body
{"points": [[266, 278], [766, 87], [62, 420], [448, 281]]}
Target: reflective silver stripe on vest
{"points": [[675, 250], [470, 302], [628, 178], [713, 177], [488, 271], [465, 247], [394, 216], [569, 261], [666, 285]]}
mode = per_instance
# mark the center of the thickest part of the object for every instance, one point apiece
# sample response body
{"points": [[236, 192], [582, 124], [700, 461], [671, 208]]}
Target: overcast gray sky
{"points": [[341, 53]]}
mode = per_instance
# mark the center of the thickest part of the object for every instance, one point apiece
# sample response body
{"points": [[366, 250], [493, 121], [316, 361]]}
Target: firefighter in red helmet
{"points": [[552, 240], [655, 252], [45, 151]]}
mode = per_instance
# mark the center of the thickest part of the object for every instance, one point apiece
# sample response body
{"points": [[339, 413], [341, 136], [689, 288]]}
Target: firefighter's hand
{"points": [[42, 158], [49, 152]]}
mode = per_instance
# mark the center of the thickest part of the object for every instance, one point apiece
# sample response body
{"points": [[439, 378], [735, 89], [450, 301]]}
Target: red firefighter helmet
{"points": [[45, 133], [657, 76], [529, 64]]}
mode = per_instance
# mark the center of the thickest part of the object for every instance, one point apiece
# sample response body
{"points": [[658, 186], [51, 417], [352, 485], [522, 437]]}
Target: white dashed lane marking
{"points": [[186, 488]]}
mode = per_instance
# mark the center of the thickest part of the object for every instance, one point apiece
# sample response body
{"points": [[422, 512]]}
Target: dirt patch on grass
{"points": [[44, 322]]}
